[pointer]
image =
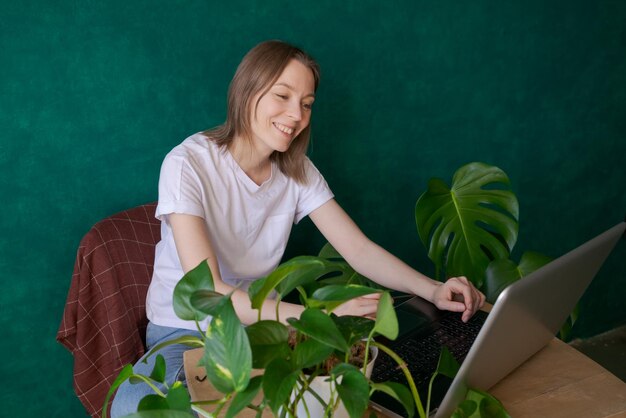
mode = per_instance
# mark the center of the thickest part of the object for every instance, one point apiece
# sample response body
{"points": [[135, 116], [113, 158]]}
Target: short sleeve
{"points": [[314, 194], [180, 188]]}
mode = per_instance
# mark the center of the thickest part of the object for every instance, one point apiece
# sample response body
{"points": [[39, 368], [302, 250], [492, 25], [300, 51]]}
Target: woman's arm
{"points": [[194, 245], [372, 261]]}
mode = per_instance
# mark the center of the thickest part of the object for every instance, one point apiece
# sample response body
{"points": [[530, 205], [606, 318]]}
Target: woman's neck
{"points": [[255, 164]]}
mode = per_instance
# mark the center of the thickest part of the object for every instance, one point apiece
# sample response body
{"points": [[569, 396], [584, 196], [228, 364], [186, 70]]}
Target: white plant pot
{"points": [[322, 386]]}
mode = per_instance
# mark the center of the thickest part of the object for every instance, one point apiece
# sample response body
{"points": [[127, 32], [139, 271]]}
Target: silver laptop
{"points": [[526, 316]]}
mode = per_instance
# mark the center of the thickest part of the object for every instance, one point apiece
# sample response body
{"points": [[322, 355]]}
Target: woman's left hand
{"points": [[458, 294], [365, 306]]}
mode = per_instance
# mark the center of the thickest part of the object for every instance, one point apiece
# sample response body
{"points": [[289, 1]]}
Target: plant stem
{"points": [[306, 387], [332, 403], [254, 407], [221, 405], [367, 350], [407, 374], [314, 393], [300, 392], [304, 405], [201, 411], [430, 388], [149, 383], [286, 410], [277, 311], [210, 402]]}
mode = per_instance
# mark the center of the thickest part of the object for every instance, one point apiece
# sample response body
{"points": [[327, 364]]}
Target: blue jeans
{"points": [[128, 395]]}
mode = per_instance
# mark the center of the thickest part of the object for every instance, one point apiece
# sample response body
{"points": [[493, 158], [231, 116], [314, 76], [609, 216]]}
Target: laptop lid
{"points": [[527, 315]]}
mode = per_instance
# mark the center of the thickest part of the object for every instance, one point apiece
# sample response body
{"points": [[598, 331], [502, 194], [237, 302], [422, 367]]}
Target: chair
{"points": [[104, 320]]}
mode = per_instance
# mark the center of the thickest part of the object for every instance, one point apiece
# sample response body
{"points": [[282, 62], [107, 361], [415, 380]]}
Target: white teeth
{"points": [[283, 128]]}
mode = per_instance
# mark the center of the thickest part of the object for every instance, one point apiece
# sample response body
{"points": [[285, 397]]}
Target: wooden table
{"points": [[558, 381]]}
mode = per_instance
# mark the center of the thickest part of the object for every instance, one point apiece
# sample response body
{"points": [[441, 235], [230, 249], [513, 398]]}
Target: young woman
{"points": [[231, 194]]}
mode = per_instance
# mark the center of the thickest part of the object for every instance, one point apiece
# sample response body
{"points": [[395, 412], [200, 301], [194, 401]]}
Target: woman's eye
{"points": [[281, 96], [307, 106]]}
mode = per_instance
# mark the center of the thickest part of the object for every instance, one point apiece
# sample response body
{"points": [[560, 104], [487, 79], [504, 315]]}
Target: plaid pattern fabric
{"points": [[104, 321]]}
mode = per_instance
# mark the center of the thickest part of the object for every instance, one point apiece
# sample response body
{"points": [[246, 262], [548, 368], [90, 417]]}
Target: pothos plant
{"points": [[471, 227], [321, 344]]}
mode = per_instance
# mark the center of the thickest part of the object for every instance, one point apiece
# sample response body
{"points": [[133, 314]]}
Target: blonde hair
{"points": [[256, 73]]}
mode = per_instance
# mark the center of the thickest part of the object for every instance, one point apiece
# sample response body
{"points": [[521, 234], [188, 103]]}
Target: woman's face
{"points": [[284, 111]]}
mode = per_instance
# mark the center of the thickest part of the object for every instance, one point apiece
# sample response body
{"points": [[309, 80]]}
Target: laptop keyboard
{"points": [[422, 351]]}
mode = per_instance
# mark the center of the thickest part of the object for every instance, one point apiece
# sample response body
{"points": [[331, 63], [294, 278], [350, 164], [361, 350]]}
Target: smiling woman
{"points": [[264, 68], [280, 116], [230, 196]]}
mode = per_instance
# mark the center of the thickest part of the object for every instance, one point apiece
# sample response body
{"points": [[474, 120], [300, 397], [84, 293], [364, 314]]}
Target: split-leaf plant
{"points": [[470, 228]]}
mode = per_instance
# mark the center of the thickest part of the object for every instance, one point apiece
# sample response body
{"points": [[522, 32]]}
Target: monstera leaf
{"points": [[467, 225], [503, 272]]}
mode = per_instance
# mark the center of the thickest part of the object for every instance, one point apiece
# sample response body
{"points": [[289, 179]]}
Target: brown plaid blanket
{"points": [[104, 320]]}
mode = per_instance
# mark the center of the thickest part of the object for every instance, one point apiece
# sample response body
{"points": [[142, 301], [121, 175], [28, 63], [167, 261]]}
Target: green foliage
{"points": [[319, 333], [227, 354], [354, 328], [231, 350], [353, 389], [158, 372], [309, 353], [399, 393], [447, 366], [175, 400], [279, 381], [386, 319], [178, 398], [290, 362], [208, 301], [290, 275], [467, 225], [188, 340], [124, 375], [316, 324], [198, 278], [479, 404], [566, 330], [331, 296], [339, 293], [470, 228], [268, 340], [244, 398], [501, 273]]}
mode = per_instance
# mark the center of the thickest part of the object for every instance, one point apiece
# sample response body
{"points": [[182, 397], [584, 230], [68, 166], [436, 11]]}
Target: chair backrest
{"points": [[104, 320]]}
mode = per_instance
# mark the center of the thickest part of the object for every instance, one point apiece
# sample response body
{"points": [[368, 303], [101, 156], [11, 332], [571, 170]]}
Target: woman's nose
{"points": [[295, 111]]}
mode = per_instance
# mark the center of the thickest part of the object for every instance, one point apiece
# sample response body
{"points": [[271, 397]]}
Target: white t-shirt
{"points": [[248, 224]]}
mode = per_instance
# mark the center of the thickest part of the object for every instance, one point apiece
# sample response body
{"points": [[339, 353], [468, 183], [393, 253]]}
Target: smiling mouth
{"points": [[283, 128]]}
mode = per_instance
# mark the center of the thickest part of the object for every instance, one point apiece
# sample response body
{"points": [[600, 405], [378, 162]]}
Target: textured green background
{"points": [[94, 93]]}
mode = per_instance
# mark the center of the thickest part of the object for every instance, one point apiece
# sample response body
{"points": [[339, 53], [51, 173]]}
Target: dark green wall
{"points": [[93, 94]]}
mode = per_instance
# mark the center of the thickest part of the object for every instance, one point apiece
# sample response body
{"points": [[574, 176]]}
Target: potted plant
{"points": [[470, 228], [317, 350], [292, 357]]}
